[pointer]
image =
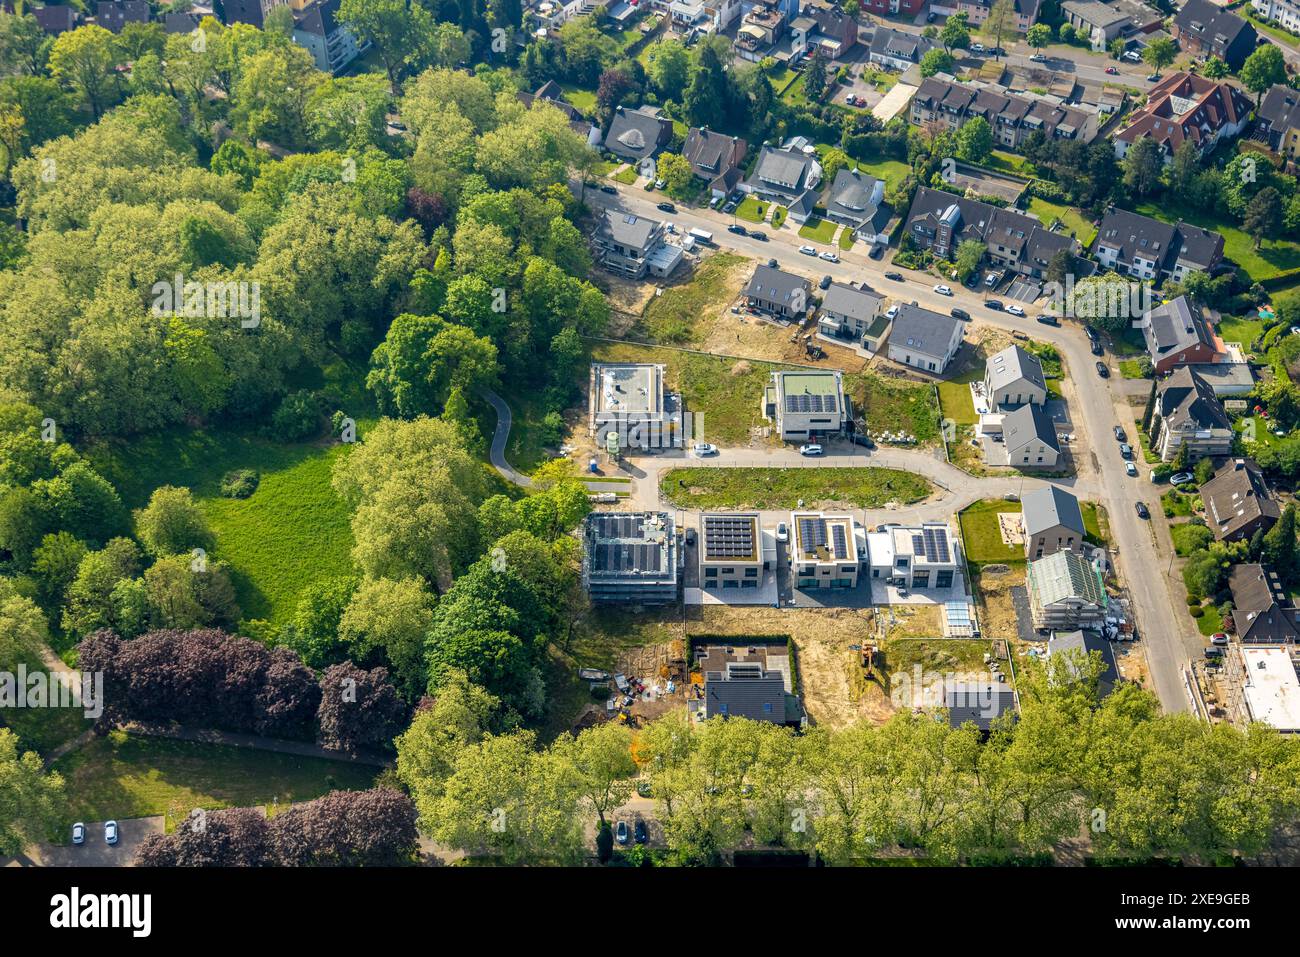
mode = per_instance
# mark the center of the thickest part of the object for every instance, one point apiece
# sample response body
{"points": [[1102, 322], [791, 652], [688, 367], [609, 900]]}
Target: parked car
{"points": [[1018, 311], [1047, 320], [666, 207], [976, 47], [606, 188], [1091, 333], [1182, 478], [992, 279], [110, 832], [1213, 651], [831, 257], [79, 833], [1132, 56], [825, 282], [877, 252], [994, 304], [1111, 71], [639, 832], [782, 532], [1130, 470], [660, 184], [1102, 370], [892, 311], [1126, 450], [1142, 510], [1120, 434], [1096, 348], [738, 229], [1153, 78], [851, 99], [961, 314], [808, 250], [943, 290], [620, 832], [690, 538], [1218, 638], [894, 276], [1038, 58], [757, 234], [810, 449], [704, 448]]}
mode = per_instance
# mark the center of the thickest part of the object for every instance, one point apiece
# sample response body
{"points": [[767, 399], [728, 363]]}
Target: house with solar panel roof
{"points": [[824, 550], [733, 551], [916, 557], [631, 557], [806, 404]]}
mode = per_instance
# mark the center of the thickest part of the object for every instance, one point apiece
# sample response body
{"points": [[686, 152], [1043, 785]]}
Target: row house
{"points": [[1012, 118]]}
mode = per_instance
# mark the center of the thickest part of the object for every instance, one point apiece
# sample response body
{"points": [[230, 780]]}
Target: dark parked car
{"points": [[993, 304], [864, 440], [961, 314], [895, 276], [639, 832], [1096, 349], [1120, 434], [1102, 370], [666, 208], [1092, 333], [738, 229], [877, 252], [1142, 510], [755, 234], [606, 188], [825, 282], [1049, 320]]}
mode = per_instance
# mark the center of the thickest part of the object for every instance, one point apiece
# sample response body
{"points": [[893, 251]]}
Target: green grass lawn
{"points": [[895, 405], [1132, 369], [981, 536], [778, 216], [1211, 621], [1244, 329], [940, 655], [671, 317], [626, 176], [1074, 221], [1189, 536], [143, 776], [1093, 514], [782, 488], [723, 394], [818, 230], [584, 100], [891, 171], [1011, 163], [1177, 504], [1272, 259], [955, 399], [752, 210], [846, 238], [289, 533], [42, 729]]}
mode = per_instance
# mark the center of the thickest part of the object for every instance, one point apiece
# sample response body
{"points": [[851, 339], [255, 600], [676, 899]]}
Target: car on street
{"points": [[994, 304], [606, 188], [1091, 333], [825, 282], [1102, 370], [704, 448], [831, 257], [110, 832], [782, 532], [1111, 71], [1047, 320], [1096, 349], [894, 276], [808, 250], [666, 207], [1142, 510], [1219, 638], [1038, 58], [1126, 450], [1153, 78], [976, 47], [943, 290], [1120, 434], [877, 252], [79, 833], [961, 314], [756, 234], [1182, 478], [1130, 469], [810, 449], [690, 538], [620, 832], [738, 229], [1018, 311]]}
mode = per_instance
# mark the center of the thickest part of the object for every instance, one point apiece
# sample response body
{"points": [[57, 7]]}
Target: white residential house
{"points": [[921, 556], [923, 339]]}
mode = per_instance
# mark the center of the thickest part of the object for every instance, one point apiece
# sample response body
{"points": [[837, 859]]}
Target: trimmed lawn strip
{"points": [[1074, 220], [818, 230], [782, 488], [981, 536], [626, 176], [751, 210]]}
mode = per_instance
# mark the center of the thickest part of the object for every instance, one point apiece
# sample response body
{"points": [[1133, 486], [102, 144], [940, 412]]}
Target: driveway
{"points": [[94, 853]]}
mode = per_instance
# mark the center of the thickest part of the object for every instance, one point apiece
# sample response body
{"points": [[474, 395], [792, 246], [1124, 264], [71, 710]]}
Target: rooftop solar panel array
{"points": [[728, 536], [809, 402], [841, 542], [626, 557], [620, 526], [812, 535], [933, 544]]}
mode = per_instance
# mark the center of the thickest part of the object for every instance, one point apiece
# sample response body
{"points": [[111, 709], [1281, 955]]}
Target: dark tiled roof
{"points": [[1175, 327], [1211, 25], [1088, 642], [979, 702], [1026, 423], [637, 134], [745, 690], [923, 331], [712, 154], [1186, 397], [1237, 496], [1262, 611], [775, 285]]}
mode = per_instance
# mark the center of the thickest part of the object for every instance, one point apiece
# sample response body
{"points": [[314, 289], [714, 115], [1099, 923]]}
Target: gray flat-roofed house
{"points": [[1262, 610], [777, 292], [638, 134], [1188, 411], [857, 200], [1053, 522], [745, 690], [923, 339], [1238, 502], [630, 557], [1085, 643], [1014, 377], [786, 176], [978, 702], [1030, 437], [1065, 592], [848, 312]]}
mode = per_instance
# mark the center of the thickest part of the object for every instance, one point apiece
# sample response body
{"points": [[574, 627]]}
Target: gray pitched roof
{"points": [[712, 154], [1187, 397], [745, 690], [628, 229], [1027, 237], [1237, 496], [1013, 364], [899, 45], [1088, 642], [923, 331], [1212, 25], [1262, 610], [980, 702], [1280, 109], [1174, 327], [1048, 507], [637, 133], [1027, 423], [786, 169], [850, 301], [774, 284]]}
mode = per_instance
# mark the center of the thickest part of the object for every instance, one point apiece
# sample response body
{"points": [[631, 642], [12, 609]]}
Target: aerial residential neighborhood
{"points": [[659, 434]]}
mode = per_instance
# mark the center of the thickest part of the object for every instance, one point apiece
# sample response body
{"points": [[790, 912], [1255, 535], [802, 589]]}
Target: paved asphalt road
{"points": [[1097, 406]]}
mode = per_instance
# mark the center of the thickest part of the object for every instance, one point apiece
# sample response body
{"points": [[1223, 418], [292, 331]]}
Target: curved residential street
{"points": [[1096, 407]]}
